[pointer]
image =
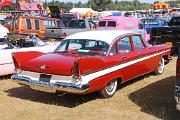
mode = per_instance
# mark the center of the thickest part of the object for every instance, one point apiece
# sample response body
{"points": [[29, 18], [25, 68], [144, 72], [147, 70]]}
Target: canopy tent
{"points": [[6, 2], [161, 5], [83, 11]]}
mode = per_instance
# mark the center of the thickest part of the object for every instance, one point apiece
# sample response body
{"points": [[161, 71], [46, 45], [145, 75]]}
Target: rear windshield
{"points": [[77, 24], [83, 46]]}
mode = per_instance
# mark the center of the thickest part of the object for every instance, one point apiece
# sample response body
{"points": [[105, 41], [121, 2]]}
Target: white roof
{"points": [[102, 35]]}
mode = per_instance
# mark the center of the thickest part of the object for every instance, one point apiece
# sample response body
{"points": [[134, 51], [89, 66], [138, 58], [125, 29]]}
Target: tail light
{"points": [[15, 62], [76, 72], [17, 70]]}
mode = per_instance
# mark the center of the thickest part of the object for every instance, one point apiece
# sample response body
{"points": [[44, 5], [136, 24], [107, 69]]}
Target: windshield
{"points": [[83, 46]]}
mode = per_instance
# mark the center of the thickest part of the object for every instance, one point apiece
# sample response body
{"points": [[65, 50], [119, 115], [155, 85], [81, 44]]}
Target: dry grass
{"points": [[146, 98]]}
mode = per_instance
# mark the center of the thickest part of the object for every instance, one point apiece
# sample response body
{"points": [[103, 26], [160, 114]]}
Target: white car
{"points": [[6, 62]]}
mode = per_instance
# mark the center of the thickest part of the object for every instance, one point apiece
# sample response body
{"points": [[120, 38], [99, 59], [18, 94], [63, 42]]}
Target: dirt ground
{"points": [[146, 98]]}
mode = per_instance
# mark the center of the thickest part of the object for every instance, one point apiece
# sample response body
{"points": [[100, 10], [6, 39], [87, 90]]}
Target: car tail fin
{"points": [[20, 57]]}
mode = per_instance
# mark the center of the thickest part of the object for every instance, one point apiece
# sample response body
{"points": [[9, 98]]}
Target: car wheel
{"points": [[160, 67], [109, 90]]}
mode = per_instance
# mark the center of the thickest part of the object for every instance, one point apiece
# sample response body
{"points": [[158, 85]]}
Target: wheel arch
{"points": [[166, 58]]}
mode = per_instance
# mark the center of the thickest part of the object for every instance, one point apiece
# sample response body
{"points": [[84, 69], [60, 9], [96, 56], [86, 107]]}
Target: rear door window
{"points": [[28, 23], [124, 45], [138, 44]]}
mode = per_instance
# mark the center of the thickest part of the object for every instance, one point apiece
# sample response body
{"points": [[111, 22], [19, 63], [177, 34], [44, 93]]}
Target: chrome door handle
{"points": [[123, 57], [140, 52]]}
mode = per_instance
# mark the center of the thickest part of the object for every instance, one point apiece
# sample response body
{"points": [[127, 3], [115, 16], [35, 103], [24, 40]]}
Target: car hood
{"points": [[51, 63]]}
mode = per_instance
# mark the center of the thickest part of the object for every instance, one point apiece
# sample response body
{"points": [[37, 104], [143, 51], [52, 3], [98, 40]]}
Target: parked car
{"points": [[118, 22], [74, 26], [149, 23], [177, 83], [121, 22], [168, 34], [9, 47], [90, 61], [28, 24]]}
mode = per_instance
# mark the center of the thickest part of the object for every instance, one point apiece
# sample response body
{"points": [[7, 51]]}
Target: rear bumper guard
{"points": [[51, 87]]}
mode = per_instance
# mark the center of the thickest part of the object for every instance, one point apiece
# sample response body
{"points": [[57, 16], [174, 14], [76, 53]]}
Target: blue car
{"points": [[149, 23]]}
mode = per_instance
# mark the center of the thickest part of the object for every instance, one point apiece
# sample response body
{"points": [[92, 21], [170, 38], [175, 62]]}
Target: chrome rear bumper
{"points": [[51, 87]]}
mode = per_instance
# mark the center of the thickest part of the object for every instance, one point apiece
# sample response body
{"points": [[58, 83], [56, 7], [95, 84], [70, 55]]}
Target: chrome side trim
{"points": [[51, 87]]}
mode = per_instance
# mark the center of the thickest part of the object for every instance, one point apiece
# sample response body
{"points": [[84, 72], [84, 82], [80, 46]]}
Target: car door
{"points": [[128, 57], [143, 53], [121, 57]]}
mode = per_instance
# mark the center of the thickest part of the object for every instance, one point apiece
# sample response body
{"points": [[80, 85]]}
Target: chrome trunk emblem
{"points": [[43, 67]]}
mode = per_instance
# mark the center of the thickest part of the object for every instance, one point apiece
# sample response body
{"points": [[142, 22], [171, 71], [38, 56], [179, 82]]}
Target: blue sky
{"points": [[83, 1]]}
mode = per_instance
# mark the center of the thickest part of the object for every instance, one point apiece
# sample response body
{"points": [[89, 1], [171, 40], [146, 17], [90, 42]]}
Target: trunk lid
{"points": [[52, 63]]}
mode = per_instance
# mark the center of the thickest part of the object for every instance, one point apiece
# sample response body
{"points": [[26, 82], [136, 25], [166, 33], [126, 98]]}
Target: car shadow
{"points": [[65, 100], [157, 99], [5, 77]]}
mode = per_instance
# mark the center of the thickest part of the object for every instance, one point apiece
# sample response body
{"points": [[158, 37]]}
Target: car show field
{"points": [[148, 97]]}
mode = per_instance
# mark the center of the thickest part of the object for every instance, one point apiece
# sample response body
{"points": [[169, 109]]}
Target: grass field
{"points": [[146, 98]]}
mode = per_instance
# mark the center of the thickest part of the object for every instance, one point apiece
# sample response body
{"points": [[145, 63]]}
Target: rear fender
{"points": [[94, 70], [20, 57]]}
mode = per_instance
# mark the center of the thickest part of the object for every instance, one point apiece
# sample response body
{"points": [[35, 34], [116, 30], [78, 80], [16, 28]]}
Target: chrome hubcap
{"points": [[161, 66], [110, 86]]}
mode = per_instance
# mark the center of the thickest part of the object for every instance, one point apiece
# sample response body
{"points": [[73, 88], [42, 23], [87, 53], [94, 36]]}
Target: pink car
{"points": [[121, 23]]}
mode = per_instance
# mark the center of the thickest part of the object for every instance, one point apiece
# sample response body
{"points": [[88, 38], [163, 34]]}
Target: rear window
{"points": [[77, 24], [102, 23], [111, 24]]}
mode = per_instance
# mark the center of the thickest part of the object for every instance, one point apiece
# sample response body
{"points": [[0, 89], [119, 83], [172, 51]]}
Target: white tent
{"points": [[81, 11]]}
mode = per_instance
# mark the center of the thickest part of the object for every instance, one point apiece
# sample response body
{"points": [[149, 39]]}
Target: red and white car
{"points": [[90, 61]]}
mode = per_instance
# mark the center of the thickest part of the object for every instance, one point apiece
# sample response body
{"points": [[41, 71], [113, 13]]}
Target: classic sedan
{"points": [[90, 61], [6, 61]]}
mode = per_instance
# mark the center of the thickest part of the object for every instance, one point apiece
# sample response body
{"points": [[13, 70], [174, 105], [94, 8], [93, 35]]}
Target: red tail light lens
{"points": [[15, 63], [76, 72]]}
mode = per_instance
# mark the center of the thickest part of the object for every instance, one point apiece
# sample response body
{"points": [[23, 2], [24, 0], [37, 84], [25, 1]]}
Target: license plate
{"points": [[168, 43], [45, 78]]}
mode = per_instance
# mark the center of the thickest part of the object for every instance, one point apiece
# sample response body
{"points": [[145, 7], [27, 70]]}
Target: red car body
{"points": [[118, 57]]}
